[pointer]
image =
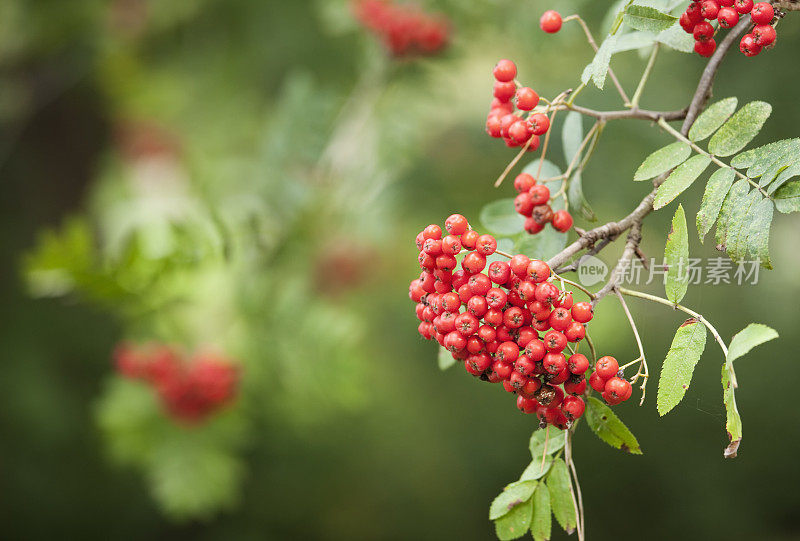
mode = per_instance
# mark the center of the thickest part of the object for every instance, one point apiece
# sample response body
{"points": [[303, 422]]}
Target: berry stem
{"points": [[637, 95], [642, 358], [545, 145], [591, 347], [680, 137], [577, 496], [513, 162]]}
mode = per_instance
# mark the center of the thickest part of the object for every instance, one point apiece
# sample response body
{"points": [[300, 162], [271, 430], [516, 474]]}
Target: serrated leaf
{"points": [[787, 197], [577, 199], [632, 41], [717, 188], [537, 469], [541, 523], [555, 441], [751, 336], [737, 193], [572, 135], [676, 257], [674, 37], [515, 523], [549, 169], [733, 422], [676, 372], [739, 225], [513, 495], [500, 217], [662, 160], [784, 152], [608, 427], [559, 483], [680, 179], [542, 245], [647, 18], [757, 240], [446, 359], [598, 67], [740, 129], [785, 175], [712, 119]]}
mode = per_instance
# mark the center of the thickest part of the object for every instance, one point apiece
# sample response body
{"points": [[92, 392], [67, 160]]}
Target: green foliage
{"points": [[541, 522], [676, 257], [751, 336], [542, 245], [597, 69], [577, 199], [744, 223], [662, 160], [609, 428], [500, 218], [512, 496], [717, 188], [572, 136], [733, 421], [680, 179], [647, 18], [787, 197], [740, 129], [559, 484], [676, 372], [445, 359], [538, 468], [712, 119], [554, 437], [515, 524]]}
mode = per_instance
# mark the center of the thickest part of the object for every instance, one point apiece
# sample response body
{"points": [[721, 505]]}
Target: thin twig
{"points": [[643, 363], [577, 502], [646, 75]]}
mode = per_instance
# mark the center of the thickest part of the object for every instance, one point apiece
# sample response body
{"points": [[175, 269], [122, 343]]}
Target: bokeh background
{"points": [[251, 176]]}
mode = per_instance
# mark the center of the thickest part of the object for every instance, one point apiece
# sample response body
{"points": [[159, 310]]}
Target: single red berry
{"points": [[433, 231], [748, 45], [705, 48], [519, 131], [539, 194], [524, 365], [506, 122], [486, 333], [527, 99], [596, 382], [499, 272], [542, 214], [523, 204], [546, 292], [578, 363], [559, 378], [555, 341], [456, 224], [496, 298], [507, 352], [693, 12], [519, 264], [582, 312], [531, 387], [762, 13], [709, 9], [618, 389], [504, 91], [562, 221], [493, 126], [494, 317], [459, 278], [469, 238], [576, 384], [575, 332], [560, 319], [703, 31], [455, 341], [538, 271], [526, 290], [728, 17], [477, 306], [474, 345], [686, 23], [450, 302], [486, 245], [535, 350], [606, 367], [532, 226], [743, 6], [550, 21], [764, 35], [554, 363], [503, 369], [473, 262], [513, 318], [525, 335], [451, 245], [524, 182], [505, 71], [466, 324], [573, 407], [479, 284], [539, 123], [565, 300]]}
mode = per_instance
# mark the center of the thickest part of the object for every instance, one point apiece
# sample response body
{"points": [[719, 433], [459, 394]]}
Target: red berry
{"points": [[546, 292], [451, 245], [686, 23], [554, 363], [535, 350], [456, 224], [562, 221], [705, 48], [560, 319], [451, 302], [693, 12], [527, 405], [519, 264], [499, 272], [473, 262], [479, 284], [466, 324], [764, 35], [493, 126], [519, 131], [486, 245], [523, 204], [709, 9], [469, 238], [728, 17], [597, 383], [504, 91], [505, 71], [539, 194], [618, 389], [575, 332], [578, 363], [527, 99], [550, 21], [524, 182], [524, 365], [532, 226], [743, 6], [496, 298], [606, 367], [454, 341], [762, 13], [538, 271], [539, 123], [576, 384], [748, 45], [582, 312], [703, 31], [477, 306], [513, 318], [555, 341], [433, 231], [573, 407]]}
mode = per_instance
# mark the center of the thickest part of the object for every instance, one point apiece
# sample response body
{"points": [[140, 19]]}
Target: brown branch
{"points": [[637, 113]]}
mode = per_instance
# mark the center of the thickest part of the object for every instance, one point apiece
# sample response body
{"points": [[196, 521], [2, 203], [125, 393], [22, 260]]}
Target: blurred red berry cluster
{"points": [[697, 19], [405, 29], [190, 388]]}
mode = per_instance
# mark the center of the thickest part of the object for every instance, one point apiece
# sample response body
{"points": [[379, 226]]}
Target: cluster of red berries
{"points": [[404, 29], [503, 121], [533, 203], [695, 21], [190, 390], [491, 320], [605, 380]]}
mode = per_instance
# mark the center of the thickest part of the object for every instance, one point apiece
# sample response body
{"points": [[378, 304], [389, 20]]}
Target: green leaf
{"points": [[779, 153], [577, 199], [598, 67], [676, 372], [608, 427], [757, 240], [751, 336], [549, 169], [572, 135], [736, 195], [662, 160], [647, 19], [785, 175], [733, 422], [680, 179], [674, 37], [559, 483], [500, 218], [537, 468], [555, 441], [515, 523], [633, 40], [542, 245], [787, 197], [740, 129], [676, 256], [541, 524], [717, 188], [712, 119], [739, 223], [446, 359], [513, 495]]}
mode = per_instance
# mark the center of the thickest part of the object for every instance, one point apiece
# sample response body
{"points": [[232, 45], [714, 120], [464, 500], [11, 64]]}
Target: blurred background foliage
{"points": [[250, 176]]}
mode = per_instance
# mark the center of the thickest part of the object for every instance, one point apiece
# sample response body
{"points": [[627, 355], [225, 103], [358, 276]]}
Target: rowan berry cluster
{"points": [[191, 389], [533, 202], [490, 317], [696, 21], [509, 99], [404, 29]]}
